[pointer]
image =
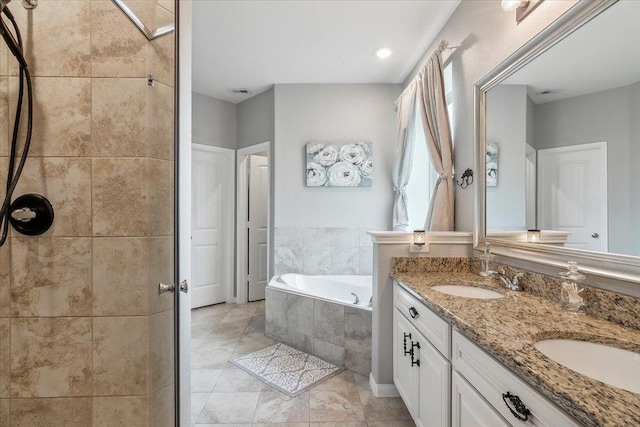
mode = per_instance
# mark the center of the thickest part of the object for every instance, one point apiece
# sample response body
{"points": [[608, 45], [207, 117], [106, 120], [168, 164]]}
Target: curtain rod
{"points": [[442, 46]]}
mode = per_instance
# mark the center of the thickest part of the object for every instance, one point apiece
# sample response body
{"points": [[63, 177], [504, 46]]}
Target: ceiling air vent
{"points": [[240, 91]]}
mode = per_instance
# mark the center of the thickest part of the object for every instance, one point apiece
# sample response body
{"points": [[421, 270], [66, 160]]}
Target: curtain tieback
{"points": [[403, 188]]}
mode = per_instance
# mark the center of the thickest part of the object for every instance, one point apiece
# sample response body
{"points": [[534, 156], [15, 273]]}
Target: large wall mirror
{"points": [[558, 139]]}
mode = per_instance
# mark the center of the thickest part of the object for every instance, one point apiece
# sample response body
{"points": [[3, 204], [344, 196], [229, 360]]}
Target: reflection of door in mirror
{"points": [[572, 194]]}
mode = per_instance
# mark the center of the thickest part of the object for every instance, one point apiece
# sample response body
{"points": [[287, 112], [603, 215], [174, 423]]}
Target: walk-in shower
{"points": [[30, 214]]}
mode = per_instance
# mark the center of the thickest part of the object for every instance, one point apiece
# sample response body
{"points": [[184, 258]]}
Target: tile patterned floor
{"points": [[223, 395]]}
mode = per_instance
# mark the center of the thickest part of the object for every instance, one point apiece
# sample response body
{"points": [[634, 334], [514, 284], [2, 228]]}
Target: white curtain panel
{"points": [[435, 121], [403, 158]]}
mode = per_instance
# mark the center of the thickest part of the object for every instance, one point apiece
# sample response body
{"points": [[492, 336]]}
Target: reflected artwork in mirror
{"points": [[564, 111]]}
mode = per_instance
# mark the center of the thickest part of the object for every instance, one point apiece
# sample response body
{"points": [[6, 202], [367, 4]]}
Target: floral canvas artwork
{"points": [[339, 164]]}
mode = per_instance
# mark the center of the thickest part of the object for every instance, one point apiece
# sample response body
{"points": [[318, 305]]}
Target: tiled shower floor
{"points": [[223, 395]]}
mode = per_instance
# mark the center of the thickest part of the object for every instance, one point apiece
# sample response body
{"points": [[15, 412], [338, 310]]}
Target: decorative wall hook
{"points": [[466, 179]]}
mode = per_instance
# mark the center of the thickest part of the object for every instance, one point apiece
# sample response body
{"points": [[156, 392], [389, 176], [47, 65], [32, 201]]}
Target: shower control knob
{"points": [[31, 214], [23, 214]]}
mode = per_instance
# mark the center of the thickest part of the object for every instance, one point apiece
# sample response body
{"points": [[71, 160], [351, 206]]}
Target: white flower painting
{"points": [[339, 164]]}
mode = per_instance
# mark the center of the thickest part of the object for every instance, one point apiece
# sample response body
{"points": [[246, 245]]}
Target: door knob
{"points": [[184, 286], [595, 235], [163, 288]]}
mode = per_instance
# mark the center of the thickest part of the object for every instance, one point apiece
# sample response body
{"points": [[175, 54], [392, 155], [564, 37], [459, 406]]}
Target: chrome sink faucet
{"points": [[512, 284]]}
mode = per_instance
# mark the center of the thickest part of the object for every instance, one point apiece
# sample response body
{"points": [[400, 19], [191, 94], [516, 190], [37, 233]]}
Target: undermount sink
{"points": [[467, 291], [610, 365]]}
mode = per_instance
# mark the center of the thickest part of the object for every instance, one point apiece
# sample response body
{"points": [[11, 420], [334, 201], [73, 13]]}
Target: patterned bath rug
{"points": [[286, 369]]}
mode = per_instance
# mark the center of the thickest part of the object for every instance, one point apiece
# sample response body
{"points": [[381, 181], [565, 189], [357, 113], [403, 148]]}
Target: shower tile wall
{"points": [[334, 250], [85, 339]]}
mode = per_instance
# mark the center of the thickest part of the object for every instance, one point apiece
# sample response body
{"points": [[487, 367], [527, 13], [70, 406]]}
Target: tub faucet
{"points": [[357, 301], [512, 284]]}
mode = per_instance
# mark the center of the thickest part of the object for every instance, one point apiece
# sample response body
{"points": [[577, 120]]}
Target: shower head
{"points": [[27, 4], [8, 37]]}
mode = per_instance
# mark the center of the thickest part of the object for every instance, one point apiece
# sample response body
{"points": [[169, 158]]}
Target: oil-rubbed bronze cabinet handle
{"points": [[414, 361], [413, 312], [515, 405], [406, 335]]}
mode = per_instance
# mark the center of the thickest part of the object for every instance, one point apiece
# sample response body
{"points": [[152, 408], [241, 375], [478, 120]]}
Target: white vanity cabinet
{"points": [[456, 383], [421, 373]]}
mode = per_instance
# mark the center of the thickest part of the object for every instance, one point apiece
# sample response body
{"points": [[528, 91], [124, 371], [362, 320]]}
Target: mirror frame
{"points": [[606, 270]]}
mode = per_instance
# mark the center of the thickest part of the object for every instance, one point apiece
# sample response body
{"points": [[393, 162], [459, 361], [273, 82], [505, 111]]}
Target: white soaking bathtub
{"points": [[336, 289], [317, 314]]}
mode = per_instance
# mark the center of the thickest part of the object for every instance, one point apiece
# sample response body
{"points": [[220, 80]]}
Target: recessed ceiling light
{"points": [[383, 52]]}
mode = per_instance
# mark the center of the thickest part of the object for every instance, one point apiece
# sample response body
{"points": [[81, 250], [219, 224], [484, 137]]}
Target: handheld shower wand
{"points": [[11, 42], [38, 214]]}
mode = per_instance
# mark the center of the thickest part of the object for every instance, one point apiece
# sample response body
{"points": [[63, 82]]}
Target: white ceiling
{"points": [[603, 54], [255, 44]]}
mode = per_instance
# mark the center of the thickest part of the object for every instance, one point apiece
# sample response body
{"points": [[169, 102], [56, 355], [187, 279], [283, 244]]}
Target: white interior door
{"points": [[573, 193], [210, 234], [258, 226]]}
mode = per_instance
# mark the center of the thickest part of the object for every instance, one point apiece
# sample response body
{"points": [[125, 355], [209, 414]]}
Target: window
{"points": [[423, 175]]}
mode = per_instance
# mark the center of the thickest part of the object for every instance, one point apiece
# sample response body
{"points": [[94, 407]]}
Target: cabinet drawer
{"points": [[493, 380], [434, 328]]}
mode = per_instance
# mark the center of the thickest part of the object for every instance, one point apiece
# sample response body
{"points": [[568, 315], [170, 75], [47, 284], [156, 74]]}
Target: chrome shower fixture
{"points": [[27, 4]]}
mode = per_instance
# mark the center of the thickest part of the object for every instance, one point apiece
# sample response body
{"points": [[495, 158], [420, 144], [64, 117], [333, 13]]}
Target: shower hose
{"points": [[15, 170]]}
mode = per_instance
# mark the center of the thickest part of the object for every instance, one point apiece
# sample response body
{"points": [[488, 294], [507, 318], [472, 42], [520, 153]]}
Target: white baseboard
{"points": [[382, 390]]}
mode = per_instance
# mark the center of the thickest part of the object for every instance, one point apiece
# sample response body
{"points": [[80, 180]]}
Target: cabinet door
{"points": [[469, 409], [435, 387], [405, 377]]}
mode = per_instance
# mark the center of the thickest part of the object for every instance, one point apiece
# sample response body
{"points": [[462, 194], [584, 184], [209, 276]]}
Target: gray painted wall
{"points": [[507, 126], [486, 36], [255, 120], [255, 125], [531, 120], [634, 164], [213, 121], [338, 113], [602, 116]]}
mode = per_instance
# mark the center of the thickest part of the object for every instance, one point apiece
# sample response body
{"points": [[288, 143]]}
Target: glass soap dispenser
{"points": [[572, 301], [485, 261]]}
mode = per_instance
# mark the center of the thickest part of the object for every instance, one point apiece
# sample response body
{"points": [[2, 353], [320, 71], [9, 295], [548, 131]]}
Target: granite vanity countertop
{"points": [[507, 329]]}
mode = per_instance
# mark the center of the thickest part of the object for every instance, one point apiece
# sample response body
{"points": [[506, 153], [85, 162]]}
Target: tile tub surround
{"points": [[323, 250], [334, 332], [507, 328], [83, 332]]}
